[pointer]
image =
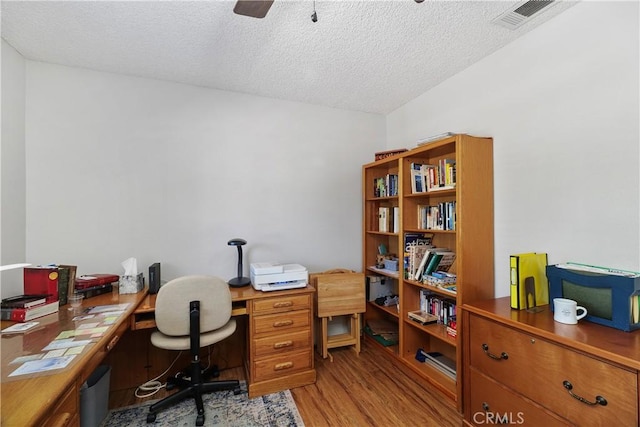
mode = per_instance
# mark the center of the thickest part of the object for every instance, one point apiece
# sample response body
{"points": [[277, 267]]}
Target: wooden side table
{"points": [[339, 293]]}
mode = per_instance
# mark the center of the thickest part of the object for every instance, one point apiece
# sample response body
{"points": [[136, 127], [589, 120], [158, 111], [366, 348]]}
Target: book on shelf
{"points": [[437, 217], [422, 317], [27, 314], [442, 363], [411, 241], [386, 186], [383, 219], [417, 178], [430, 261], [396, 219], [444, 308], [23, 301]]}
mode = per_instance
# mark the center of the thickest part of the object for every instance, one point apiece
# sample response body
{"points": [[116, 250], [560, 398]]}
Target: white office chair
{"points": [[192, 312]]}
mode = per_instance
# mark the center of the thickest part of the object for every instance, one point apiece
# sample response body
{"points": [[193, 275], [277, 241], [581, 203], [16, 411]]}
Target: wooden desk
{"points": [[278, 350], [52, 398]]}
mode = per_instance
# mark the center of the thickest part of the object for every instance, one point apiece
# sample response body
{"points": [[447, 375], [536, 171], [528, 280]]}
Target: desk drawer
{"points": [[66, 413], [281, 323], [98, 357], [281, 366], [279, 344], [538, 369], [493, 404], [281, 304]]}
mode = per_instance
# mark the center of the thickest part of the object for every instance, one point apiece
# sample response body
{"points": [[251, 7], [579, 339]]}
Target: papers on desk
{"points": [[61, 351], [20, 327], [109, 309], [42, 365]]}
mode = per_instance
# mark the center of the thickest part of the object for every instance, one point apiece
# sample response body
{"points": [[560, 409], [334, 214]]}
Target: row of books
{"points": [[415, 246], [385, 186], [438, 361], [389, 219], [424, 260], [443, 308], [437, 217], [426, 177], [23, 308], [46, 288], [434, 259]]}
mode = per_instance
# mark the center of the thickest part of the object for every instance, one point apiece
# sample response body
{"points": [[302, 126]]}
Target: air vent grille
{"points": [[523, 12]]}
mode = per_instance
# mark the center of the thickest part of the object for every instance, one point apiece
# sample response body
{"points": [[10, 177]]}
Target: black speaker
{"points": [[154, 278]]}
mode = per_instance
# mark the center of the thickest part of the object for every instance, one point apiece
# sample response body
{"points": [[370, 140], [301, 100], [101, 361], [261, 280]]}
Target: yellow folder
{"points": [[529, 285]]}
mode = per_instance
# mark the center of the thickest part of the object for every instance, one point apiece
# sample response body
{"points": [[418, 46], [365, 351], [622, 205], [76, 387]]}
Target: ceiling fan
{"points": [[253, 8]]}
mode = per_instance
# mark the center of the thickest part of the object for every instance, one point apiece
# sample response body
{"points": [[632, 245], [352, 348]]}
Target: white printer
{"points": [[270, 276]]}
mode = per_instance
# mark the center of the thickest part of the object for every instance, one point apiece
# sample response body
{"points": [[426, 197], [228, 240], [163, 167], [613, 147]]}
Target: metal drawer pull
{"points": [[282, 323], [283, 344], [281, 366], [503, 356], [599, 399], [112, 343], [485, 406], [282, 304]]}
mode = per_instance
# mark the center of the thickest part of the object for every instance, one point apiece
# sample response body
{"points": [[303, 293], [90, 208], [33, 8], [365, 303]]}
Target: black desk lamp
{"points": [[239, 281]]}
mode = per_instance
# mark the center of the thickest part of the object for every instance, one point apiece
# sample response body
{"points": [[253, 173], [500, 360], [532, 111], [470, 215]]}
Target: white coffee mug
{"points": [[566, 311]]}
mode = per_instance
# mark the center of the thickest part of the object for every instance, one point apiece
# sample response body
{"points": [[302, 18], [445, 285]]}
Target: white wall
{"points": [[122, 167], [12, 170], [562, 106]]}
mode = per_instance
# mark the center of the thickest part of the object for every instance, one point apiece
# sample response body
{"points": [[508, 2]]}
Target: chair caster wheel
{"points": [[237, 391], [151, 418], [200, 420]]}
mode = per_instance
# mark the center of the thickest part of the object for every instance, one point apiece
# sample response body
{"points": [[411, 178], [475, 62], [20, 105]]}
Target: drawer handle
{"points": [[282, 304], [283, 344], [599, 399], [503, 356], [282, 323], [485, 406], [113, 343], [281, 366]]}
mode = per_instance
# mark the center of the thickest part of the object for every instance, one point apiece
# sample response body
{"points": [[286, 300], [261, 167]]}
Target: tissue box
{"points": [[131, 284]]}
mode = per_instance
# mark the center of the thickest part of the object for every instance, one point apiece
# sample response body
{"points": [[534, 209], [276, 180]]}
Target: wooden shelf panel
{"points": [[383, 272], [391, 349], [391, 310], [442, 381], [434, 289], [435, 330]]}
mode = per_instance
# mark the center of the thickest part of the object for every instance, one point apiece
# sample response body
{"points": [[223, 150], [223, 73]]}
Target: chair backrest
{"points": [[172, 304]]}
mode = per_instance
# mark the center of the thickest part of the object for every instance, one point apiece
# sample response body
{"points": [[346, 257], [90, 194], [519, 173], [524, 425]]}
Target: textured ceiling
{"points": [[370, 55]]}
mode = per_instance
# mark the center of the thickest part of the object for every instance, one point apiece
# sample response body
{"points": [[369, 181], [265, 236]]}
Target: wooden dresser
{"points": [[524, 368], [280, 341]]}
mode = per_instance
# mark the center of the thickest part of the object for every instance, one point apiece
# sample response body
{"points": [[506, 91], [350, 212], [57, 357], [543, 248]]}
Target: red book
{"points": [[41, 281], [92, 280], [27, 314]]}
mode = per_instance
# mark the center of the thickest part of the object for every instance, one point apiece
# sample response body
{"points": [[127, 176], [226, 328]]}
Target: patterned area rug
{"points": [[220, 409]]}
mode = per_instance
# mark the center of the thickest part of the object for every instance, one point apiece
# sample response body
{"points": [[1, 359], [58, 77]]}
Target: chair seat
{"points": [[167, 342]]}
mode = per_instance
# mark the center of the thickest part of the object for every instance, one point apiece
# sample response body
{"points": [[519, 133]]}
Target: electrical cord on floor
{"points": [[153, 386]]}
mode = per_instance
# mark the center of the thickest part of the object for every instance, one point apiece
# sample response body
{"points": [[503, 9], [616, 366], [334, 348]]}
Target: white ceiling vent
{"points": [[521, 13]]}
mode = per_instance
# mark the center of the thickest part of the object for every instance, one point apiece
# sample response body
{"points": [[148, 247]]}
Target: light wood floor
{"points": [[353, 390]]}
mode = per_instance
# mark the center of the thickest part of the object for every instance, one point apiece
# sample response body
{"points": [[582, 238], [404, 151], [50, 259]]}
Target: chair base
{"points": [[191, 389]]}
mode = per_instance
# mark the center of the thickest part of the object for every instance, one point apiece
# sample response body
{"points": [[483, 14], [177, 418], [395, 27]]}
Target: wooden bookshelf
{"points": [[471, 239]]}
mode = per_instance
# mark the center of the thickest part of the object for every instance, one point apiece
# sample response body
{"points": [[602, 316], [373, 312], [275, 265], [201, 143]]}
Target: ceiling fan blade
{"points": [[253, 8]]}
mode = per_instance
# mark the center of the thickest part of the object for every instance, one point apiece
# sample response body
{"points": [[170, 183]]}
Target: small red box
{"points": [[92, 280], [41, 281]]}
